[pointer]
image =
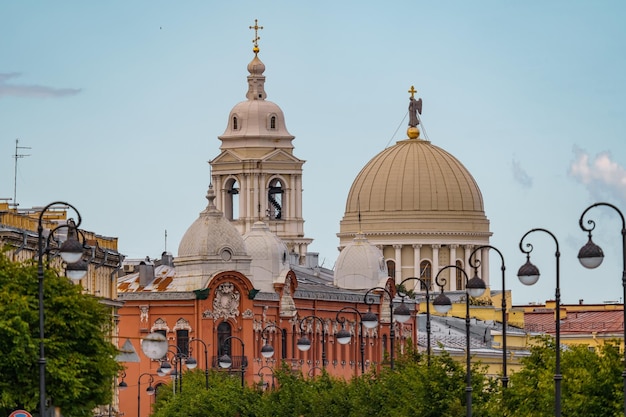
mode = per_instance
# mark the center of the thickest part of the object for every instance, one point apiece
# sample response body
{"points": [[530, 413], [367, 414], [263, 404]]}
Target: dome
{"points": [[210, 238], [269, 256], [360, 265], [413, 187]]}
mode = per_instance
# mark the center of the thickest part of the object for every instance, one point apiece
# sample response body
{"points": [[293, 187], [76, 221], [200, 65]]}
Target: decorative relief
{"points": [[143, 314], [226, 301], [160, 324], [182, 324], [248, 314], [207, 314]]}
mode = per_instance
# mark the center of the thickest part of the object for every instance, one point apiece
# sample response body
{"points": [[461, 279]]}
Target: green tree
{"points": [[80, 358], [592, 385]]}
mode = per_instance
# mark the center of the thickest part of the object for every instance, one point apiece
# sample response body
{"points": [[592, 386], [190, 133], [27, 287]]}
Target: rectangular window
{"points": [[182, 341]]}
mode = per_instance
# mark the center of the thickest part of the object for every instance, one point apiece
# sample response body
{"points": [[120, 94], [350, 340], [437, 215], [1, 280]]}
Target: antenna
{"points": [[165, 240], [16, 156]]}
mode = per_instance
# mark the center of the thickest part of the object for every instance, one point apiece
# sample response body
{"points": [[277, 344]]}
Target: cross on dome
{"points": [[256, 39]]}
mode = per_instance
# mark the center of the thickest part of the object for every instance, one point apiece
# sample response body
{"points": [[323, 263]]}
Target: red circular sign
{"points": [[20, 413]]}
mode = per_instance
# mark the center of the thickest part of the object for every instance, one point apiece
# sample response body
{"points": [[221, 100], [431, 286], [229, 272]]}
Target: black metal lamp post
{"points": [[226, 362], [474, 287], [403, 314], [267, 351], [344, 336], [591, 256], [474, 262], [178, 358], [71, 252], [150, 390], [304, 343], [528, 274], [262, 374], [370, 320], [191, 361]]}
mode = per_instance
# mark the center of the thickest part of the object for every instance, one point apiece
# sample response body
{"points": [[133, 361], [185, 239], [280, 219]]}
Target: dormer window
{"points": [[235, 125]]}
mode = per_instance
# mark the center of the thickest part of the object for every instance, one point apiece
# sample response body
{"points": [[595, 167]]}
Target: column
{"points": [[417, 258], [436, 264], [453, 262], [398, 255]]}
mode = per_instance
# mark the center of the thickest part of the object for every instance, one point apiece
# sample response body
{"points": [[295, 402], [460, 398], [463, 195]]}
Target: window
{"points": [[182, 342], [391, 269], [275, 200], [273, 122], [460, 278], [426, 275], [235, 126], [231, 206], [224, 331]]}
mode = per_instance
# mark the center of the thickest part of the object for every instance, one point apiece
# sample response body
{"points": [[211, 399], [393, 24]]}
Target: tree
{"points": [[80, 358], [591, 385]]}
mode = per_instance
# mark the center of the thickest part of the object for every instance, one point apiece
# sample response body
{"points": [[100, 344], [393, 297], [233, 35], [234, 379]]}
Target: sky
{"points": [[118, 105]]}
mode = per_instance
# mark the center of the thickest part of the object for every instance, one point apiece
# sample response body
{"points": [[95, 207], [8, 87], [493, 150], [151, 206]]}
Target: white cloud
{"points": [[602, 176], [521, 176], [31, 90]]}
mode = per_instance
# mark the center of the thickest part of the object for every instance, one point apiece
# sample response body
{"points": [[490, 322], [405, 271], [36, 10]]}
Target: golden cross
{"points": [[256, 28], [412, 91]]}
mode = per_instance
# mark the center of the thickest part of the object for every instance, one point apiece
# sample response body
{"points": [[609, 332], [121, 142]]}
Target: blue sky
{"points": [[121, 104]]}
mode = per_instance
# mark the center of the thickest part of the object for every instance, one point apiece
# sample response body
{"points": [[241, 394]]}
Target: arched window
{"points": [[426, 272], [460, 278], [273, 122], [275, 200], [231, 205], [224, 331], [391, 268], [235, 124]]}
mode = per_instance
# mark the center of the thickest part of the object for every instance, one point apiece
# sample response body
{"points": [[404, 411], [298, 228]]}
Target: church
{"points": [[245, 294]]}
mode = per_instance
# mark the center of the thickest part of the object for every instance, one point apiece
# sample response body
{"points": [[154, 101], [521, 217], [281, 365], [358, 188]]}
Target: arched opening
{"points": [[273, 122], [235, 123], [231, 203], [275, 200], [460, 278], [391, 269], [426, 275], [224, 331]]}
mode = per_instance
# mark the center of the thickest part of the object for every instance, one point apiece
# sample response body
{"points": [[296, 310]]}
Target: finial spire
{"points": [[256, 39], [415, 108]]}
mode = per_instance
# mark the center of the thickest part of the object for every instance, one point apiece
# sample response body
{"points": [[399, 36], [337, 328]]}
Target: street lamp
{"points": [[476, 264], [304, 343], [178, 358], [225, 360], [261, 374], [267, 351], [344, 336], [474, 287], [71, 252], [403, 314], [370, 320], [528, 274], [192, 363], [591, 256], [150, 390]]}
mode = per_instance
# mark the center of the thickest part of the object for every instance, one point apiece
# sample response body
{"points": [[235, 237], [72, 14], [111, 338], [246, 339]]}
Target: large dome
{"points": [[414, 187]]}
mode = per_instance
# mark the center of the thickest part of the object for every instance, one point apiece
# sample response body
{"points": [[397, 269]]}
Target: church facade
{"points": [[244, 285]]}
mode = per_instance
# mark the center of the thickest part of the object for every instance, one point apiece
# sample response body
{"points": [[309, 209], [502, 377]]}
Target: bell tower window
{"points": [[273, 122], [231, 206], [275, 200], [235, 124]]}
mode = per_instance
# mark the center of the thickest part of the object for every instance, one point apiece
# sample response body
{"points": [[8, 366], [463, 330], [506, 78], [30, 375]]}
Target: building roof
{"points": [[595, 320]]}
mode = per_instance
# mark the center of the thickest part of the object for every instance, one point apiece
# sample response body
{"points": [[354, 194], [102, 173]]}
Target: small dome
{"points": [[360, 265], [211, 235], [269, 256]]}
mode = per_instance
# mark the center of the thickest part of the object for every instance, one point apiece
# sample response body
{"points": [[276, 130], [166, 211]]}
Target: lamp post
{"points": [[476, 264], [403, 314], [370, 320], [177, 373], [267, 351], [474, 287], [191, 361], [304, 343], [226, 362], [591, 256], [344, 336], [149, 390], [71, 252], [528, 274], [261, 374]]}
